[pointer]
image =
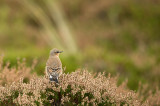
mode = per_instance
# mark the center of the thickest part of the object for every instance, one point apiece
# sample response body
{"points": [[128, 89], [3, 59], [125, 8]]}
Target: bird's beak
{"points": [[60, 51]]}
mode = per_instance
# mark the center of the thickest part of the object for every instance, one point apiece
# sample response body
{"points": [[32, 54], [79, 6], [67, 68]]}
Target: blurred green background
{"points": [[119, 37]]}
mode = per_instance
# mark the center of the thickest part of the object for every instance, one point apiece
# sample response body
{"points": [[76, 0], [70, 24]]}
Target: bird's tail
{"points": [[55, 79]]}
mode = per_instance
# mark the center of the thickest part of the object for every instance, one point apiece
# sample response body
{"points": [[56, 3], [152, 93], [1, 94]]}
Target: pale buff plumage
{"points": [[54, 65]]}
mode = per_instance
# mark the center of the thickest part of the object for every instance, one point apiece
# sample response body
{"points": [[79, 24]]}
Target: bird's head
{"points": [[54, 52]]}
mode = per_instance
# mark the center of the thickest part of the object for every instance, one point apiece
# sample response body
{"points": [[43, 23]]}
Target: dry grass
{"points": [[58, 34]]}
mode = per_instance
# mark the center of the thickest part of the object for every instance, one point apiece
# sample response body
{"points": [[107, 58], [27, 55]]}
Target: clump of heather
{"points": [[13, 74], [77, 88]]}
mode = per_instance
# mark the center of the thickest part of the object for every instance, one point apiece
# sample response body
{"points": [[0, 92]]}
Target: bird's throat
{"points": [[57, 54]]}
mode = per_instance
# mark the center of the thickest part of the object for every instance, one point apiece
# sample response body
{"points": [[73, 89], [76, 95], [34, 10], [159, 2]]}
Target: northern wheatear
{"points": [[54, 65]]}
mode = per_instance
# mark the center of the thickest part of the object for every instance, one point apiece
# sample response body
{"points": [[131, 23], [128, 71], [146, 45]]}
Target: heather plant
{"points": [[152, 97], [13, 74], [77, 88]]}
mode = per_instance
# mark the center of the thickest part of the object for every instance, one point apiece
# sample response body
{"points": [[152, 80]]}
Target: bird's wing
{"points": [[51, 70]]}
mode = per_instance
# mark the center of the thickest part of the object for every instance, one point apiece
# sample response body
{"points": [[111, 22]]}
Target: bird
{"points": [[54, 66]]}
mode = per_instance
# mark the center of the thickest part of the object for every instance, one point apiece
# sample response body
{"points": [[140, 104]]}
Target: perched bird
{"points": [[54, 65]]}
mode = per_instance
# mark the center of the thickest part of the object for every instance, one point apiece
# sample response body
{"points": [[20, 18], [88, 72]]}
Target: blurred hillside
{"points": [[119, 37]]}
